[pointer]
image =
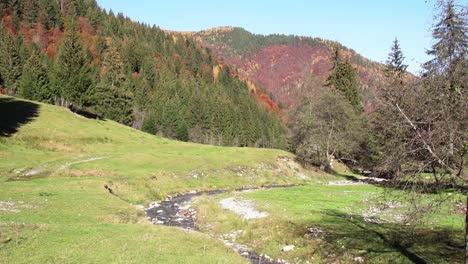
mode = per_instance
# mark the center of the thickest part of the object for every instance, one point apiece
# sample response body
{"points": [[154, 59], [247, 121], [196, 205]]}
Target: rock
{"points": [[245, 253], [359, 259], [140, 207], [288, 248], [314, 232], [159, 222], [302, 176]]}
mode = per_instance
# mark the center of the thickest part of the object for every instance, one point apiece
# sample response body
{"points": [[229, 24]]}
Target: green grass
{"points": [[132, 160], [65, 215], [338, 212], [75, 221]]}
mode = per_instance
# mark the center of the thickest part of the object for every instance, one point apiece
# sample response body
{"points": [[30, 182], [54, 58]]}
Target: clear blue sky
{"points": [[367, 26]]}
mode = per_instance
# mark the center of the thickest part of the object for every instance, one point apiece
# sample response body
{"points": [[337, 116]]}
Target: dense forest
{"points": [[73, 52]]}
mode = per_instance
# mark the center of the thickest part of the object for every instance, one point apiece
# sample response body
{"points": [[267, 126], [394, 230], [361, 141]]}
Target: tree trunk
{"points": [[466, 231], [434, 172]]}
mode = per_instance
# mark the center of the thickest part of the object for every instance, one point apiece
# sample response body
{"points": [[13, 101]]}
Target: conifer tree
{"points": [[10, 62], [49, 14], [113, 98], [30, 11], [3, 6], [394, 64], [344, 78], [450, 50], [70, 76], [34, 82], [2, 36]]}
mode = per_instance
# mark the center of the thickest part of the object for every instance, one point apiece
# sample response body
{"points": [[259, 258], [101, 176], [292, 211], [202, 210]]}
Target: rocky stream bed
{"points": [[176, 211]]}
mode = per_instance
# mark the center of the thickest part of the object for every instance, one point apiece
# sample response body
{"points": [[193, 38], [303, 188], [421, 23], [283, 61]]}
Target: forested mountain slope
{"points": [[72, 51], [287, 67]]}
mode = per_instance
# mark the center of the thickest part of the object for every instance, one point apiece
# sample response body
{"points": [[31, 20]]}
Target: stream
{"points": [[176, 211]]}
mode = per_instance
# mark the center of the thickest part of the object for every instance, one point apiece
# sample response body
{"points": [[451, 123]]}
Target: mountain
{"points": [[285, 67], [161, 82]]}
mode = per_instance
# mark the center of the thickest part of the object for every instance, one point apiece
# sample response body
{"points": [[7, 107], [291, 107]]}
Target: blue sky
{"points": [[367, 26]]}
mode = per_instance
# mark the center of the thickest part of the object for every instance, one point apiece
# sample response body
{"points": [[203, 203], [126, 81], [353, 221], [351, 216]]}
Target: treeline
{"points": [[73, 52], [419, 124]]}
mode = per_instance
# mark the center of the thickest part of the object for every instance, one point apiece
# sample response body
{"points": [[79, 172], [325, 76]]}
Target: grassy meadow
{"points": [[54, 207]]}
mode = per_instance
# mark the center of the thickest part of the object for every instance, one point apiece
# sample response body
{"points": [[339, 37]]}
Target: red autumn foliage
{"points": [[286, 70]]}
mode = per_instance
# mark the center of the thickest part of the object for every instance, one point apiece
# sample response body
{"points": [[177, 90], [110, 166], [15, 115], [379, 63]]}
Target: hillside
{"points": [[54, 205], [72, 190], [286, 67], [161, 82]]}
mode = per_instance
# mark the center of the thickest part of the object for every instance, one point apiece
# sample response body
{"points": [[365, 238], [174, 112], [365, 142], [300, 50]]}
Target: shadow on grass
{"points": [[411, 244], [14, 114]]}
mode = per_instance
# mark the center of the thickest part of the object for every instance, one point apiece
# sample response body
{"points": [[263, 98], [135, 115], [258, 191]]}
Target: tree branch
{"points": [[426, 145]]}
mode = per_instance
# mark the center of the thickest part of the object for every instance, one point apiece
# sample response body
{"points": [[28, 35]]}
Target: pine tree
{"points": [[71, 78], [49, 14], [10, 62], [2, 36], [344, 78], [113, 98], [394, 64], [34, 82], [93, 15], [3, 6], [30, 11], [450, 50], [100, 46]]}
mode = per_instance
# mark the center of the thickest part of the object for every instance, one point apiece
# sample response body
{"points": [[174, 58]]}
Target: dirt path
{"points": [[49, 167]]}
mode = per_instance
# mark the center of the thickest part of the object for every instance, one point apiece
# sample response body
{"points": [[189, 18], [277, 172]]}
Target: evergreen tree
{"points": [[34, 82], [113, 98], [93, 15], [3, 6], [394, 64], [30, 11], [2, 36], [450, 50], [71, 78], [100, 46], [344, 78], [10, 62], [76, 8], [49, 14]]}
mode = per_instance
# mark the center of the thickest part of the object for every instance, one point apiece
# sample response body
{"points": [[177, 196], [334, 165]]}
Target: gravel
{"points": [[244, 208]]}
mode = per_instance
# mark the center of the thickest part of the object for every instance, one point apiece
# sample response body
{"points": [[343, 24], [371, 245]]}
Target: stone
{"points": [[359, 259], [288, 248]]}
